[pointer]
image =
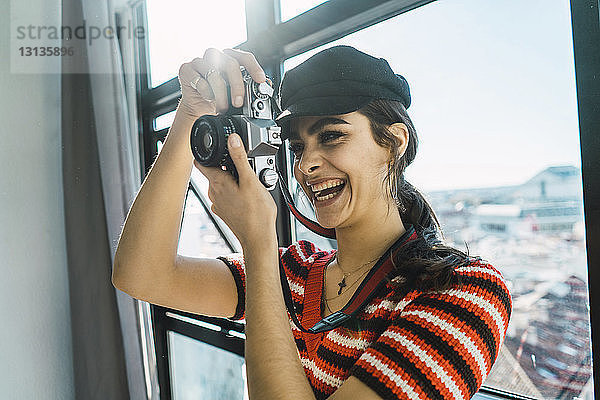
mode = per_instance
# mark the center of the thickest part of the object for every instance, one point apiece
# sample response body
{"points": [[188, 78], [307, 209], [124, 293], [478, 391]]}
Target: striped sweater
{"points": [[428, 345]]}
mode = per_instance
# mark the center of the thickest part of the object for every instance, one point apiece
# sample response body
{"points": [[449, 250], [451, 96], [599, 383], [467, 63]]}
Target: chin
{"points": [[329, 221], [327, 224]]}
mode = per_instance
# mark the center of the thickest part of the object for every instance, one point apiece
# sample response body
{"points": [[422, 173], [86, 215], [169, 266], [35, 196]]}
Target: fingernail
{"points": [[235, 141], [239, 100]]}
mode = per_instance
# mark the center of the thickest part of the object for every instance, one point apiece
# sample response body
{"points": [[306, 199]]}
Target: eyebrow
{"points": [[319, 125]]}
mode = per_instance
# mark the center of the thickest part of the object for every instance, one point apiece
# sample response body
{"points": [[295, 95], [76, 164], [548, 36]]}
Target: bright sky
{"points": [[492, 83]]}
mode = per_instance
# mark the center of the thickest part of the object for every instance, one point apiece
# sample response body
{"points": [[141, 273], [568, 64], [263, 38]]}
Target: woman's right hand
{"points": [[203, 81]]}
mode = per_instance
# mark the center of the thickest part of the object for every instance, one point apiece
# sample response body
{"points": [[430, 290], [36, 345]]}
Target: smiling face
{"points": [[340, 167]]}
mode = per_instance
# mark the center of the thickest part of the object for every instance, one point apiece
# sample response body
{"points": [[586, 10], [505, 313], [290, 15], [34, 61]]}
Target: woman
{"points": [[433, 330]]}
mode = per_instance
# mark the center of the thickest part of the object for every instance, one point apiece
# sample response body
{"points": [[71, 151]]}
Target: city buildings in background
{"points": [[550, 202], [534, 234]]}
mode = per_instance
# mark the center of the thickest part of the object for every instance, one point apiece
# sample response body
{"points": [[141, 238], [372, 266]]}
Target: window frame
{"points": [[272, 42]]}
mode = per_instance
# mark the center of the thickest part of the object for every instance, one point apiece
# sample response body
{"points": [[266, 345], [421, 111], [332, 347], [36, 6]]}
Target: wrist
{"points": [[183, 116], [265, 241], [185, 112]]}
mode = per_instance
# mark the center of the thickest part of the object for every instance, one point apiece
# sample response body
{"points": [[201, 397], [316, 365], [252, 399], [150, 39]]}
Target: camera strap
{"points": [[369, 287]]}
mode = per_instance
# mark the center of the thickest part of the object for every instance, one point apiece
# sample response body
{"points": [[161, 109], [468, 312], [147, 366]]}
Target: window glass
{"points": [[180, 30], [163, 121], [202, 184], [494, 104], [202, 371], [199, 237], [292, 8]]}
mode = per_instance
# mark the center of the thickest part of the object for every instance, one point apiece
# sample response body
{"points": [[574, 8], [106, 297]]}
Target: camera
{"points": [[253, 122]]}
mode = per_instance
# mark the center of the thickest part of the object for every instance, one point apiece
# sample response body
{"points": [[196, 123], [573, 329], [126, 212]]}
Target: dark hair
{"points": [[425, 262]]}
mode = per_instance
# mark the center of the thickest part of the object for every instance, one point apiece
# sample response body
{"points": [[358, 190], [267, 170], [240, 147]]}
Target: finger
{"points": [[214, 58], [187, 75], [211, 194], [200, 68], [249, 62], [234, 76], [239, 156]]}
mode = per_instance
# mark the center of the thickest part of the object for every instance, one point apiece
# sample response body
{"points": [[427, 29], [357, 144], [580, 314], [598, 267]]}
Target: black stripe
{"points": [[448, 352], [491, 287], [300, 344], [468, 317], [375, 325], [336, 359]]}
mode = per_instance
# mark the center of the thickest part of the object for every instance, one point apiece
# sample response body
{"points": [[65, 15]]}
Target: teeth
{"points": [[326, 185], [329, 196]]}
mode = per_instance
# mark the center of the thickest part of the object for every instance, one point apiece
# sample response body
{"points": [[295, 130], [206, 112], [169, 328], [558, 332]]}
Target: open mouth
{"points": [[328, 189]]}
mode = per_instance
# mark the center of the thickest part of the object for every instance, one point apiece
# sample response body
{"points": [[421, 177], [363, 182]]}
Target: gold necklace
{"points": [[340, 292], [342, 284]]}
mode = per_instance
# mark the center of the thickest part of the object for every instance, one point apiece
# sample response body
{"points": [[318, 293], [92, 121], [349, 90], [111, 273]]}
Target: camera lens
{"points": [[209, 139]]}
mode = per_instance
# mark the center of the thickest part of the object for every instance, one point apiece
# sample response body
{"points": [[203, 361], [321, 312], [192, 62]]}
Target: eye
{"points": [[330, 136]]}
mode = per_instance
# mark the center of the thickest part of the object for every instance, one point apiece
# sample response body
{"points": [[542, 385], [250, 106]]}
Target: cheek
{"points": [[296, 172], [373, 169], [298, 176]]}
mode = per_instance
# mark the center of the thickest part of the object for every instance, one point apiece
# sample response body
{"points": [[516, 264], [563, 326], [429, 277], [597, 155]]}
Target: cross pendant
{"points": [[342, 285]]}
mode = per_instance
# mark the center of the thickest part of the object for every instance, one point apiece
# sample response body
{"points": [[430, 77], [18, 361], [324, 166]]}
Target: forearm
{"points": [[150, 235], [273, 367]]}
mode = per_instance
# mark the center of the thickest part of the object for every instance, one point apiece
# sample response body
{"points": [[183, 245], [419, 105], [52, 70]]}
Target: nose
{"points": [[309, 162]]}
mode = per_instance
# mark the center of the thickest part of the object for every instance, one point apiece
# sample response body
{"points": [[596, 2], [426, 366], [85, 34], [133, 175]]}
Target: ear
{"points": [[400, 131]]}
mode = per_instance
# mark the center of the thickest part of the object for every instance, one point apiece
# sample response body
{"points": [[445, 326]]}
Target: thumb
{"points": [[239, 156]]}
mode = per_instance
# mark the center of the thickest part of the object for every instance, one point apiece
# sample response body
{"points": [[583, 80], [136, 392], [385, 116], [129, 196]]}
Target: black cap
{"points": [[338, 80]]}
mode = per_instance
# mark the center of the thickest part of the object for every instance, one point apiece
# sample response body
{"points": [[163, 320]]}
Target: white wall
{"points": [[35, 333]]}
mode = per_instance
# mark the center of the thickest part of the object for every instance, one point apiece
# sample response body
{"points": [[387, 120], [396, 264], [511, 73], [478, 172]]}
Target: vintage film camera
{"points": [[253, 122]]}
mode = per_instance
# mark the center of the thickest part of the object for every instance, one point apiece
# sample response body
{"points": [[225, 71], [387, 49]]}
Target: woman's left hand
{"points": [[245, 206]]}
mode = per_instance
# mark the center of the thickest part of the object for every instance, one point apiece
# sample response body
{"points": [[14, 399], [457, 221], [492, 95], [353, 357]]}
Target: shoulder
{"points": [[479, 279], [480, 296]]}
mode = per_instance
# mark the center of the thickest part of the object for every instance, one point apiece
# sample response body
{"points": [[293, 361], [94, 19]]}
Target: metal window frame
{"points": [[585, 20], [272, 42]]}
